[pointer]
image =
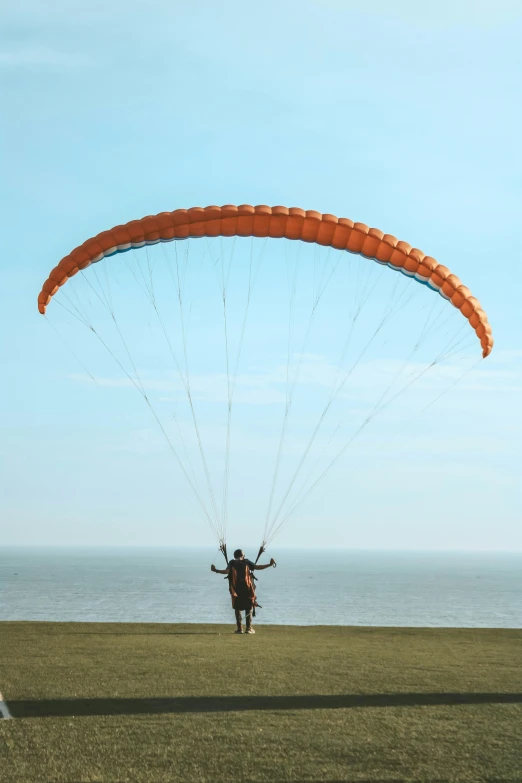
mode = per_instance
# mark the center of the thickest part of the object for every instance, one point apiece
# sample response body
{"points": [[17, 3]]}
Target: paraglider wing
{"points": [[275, 222]]}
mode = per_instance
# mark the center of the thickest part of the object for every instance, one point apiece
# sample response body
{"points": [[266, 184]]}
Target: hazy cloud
{"points": [[41, 56]]}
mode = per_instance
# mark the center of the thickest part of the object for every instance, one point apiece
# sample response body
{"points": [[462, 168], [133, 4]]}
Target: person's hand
{"points": [[272, 561], [213, 568]]}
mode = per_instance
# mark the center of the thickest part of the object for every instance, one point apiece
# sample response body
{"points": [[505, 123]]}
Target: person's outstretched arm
{"points": [[225, 571], [267, 565]]}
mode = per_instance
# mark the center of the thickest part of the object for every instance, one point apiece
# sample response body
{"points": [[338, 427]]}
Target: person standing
{"points": [[240, 572]]}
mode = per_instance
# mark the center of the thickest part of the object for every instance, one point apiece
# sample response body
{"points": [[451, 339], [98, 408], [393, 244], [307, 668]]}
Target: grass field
{"points": [[125, 702]]}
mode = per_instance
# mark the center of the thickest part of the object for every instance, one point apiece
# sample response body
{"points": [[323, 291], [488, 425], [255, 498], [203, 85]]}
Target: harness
{"points": [[247, 583]]}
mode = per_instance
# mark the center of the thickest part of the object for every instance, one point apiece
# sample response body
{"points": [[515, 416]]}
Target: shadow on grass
{"points": [[145, 633], [32, 708]]}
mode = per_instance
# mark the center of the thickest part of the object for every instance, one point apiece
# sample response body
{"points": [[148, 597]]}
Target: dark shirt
{"points": [[240, 567]]}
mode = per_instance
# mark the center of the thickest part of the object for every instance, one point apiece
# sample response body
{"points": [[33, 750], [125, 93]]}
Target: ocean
{"points": [[444, 589]]}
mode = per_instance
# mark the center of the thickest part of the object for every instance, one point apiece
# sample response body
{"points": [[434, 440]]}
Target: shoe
{"points": [[239, 630], [250, 630]]}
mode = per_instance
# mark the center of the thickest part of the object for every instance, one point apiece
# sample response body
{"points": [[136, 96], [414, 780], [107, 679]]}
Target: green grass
{"points": [[133, 703]]}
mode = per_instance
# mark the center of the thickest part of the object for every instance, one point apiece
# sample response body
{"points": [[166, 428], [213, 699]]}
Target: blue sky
{"points": [[404, 118]]}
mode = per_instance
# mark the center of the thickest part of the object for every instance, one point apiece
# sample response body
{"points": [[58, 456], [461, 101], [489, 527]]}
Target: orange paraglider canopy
{"points": [[275, 222]]}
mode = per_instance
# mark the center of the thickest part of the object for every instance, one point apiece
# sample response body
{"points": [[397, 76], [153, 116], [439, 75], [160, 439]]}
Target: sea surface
{"points": [[457, 589]]}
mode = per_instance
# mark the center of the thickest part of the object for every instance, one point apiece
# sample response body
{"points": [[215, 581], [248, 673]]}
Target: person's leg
{"points": [[239, 621], [248, 618]]}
